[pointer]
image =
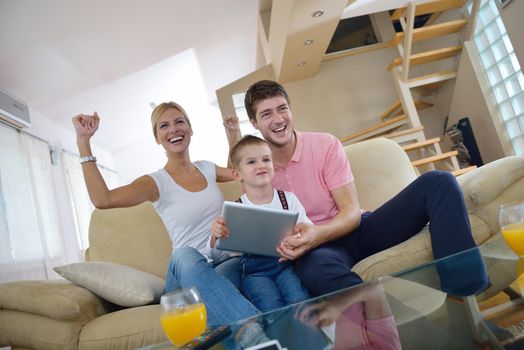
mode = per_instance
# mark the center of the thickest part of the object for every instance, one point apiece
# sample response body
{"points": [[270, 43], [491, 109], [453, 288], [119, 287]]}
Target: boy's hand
{"points": [[232, 124], [299, 243], [219, 230]]}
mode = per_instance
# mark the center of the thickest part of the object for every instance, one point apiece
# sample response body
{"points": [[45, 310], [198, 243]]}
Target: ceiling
{"points": [[64, 57]]}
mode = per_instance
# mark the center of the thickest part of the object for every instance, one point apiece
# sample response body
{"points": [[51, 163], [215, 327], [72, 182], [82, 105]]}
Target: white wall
{"points": [[347, 94], [468, 100], [45, 128]]}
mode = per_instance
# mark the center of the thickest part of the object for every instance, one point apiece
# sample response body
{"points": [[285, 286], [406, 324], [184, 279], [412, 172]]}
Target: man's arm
{"points": [[311, 236]]}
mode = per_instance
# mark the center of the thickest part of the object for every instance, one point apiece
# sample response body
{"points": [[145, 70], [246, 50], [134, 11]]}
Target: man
{"points": [[314, 166]]}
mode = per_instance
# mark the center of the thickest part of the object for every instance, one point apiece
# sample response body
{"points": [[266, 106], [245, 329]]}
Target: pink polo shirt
{"points": [[318, 166]]}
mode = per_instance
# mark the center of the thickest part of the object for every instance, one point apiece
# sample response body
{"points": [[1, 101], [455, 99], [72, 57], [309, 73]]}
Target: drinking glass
{"points": [[183, 315], [511, 220]]}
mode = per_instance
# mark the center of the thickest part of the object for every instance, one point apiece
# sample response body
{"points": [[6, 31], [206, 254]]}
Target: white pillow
{"points": [[119, 284]]}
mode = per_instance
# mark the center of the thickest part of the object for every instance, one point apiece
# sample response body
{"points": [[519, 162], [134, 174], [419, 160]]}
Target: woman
{"points": [[186, 197]]}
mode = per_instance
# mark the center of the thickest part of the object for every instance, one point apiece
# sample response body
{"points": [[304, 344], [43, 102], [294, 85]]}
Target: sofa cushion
{"points": [[44, 333], [119, 284], [124, 329], [60, 300]]}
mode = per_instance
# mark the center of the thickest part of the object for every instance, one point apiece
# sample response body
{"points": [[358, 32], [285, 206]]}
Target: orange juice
{"points": [[182, 325], [514, 236]]}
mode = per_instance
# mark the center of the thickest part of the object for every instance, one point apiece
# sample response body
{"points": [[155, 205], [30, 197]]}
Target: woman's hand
{"points": [[219, 230], [86, 125]]}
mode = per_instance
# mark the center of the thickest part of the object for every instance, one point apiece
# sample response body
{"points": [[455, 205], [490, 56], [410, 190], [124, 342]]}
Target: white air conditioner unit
{"points": [[13, 111]]}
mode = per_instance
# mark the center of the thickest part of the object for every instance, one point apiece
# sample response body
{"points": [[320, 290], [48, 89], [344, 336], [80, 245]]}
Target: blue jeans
{"points": [[434, 197], [224, 302], [269, 284]]}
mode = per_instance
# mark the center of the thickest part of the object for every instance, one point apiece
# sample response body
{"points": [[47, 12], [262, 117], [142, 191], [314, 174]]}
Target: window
{"points": [[503, 71], [245, 125]]}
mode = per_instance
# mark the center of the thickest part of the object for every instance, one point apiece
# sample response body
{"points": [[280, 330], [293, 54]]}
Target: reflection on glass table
{"points": [[433, 306]]}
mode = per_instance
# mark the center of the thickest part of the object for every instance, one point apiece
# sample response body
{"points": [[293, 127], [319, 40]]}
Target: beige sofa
{"points": [[61, 315]]}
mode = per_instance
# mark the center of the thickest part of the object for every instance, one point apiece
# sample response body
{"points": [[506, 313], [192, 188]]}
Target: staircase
{"points": [[401, 122]]}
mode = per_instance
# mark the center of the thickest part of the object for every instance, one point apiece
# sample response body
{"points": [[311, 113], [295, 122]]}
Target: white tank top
{"points": [[188, 215]]}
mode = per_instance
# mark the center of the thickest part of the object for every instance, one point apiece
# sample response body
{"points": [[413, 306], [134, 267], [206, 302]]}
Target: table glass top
{"points": [[432, 306]]}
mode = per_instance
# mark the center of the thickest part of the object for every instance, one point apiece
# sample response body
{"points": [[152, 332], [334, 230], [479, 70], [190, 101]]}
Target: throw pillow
{"points": [[119, 284]]}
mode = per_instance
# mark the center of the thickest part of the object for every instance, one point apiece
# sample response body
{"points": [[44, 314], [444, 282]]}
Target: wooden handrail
{"points": [[397, 108], [403, 132], [374, 128]]}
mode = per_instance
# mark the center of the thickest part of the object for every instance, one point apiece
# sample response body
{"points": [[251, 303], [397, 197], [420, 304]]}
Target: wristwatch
{"points": [[87, 159]]}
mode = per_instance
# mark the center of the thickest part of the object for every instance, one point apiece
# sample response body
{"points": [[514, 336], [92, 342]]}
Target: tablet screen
{"points": [[255, 229]]}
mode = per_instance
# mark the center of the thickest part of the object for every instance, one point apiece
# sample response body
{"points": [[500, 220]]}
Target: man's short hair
{"points": [[248, 140], [260, 91]]}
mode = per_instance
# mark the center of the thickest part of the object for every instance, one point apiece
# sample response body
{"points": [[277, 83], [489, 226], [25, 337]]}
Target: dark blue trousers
{"points": [[434, 197]]}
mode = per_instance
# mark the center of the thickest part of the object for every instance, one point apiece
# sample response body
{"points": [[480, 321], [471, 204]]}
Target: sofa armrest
{"points": [[487, 187], [60, 300]]}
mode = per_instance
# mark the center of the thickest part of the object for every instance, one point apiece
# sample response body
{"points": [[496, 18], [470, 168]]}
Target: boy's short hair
{"points": [[248, 140], [260, 91]]}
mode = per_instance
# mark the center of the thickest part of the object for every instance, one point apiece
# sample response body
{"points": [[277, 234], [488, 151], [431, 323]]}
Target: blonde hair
{"points": [[161, 108]]}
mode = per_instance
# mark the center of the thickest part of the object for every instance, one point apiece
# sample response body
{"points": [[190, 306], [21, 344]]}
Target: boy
{"points": [[266, 282]]}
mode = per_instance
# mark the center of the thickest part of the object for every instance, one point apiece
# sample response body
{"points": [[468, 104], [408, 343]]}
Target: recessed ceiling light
{"points": [[317, 13], [308, 42], [301, 63]]}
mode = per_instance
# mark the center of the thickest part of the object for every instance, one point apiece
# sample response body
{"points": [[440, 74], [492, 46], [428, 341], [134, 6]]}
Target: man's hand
{"points": [[86, 125], [303, 239], [219, 230]]}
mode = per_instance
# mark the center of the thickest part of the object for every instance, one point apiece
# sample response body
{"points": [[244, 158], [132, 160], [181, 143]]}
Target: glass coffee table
{"points": [[433, 306]]}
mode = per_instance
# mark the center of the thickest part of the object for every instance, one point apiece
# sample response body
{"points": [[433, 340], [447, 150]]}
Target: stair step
{"points": [[397, 108], [421, 144], [376, 129], [430, 7], [428, 56], [432, 78], [403, 132], [464, 170], [435, 158], [432, 31]]}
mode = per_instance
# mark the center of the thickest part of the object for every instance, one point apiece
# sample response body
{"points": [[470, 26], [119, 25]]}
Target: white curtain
{"points": [[80, 202], [44, 208]]}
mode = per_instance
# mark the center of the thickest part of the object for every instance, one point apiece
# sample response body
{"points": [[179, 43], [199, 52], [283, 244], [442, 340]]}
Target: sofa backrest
{"points": [[134, 236], [137, 237], [381, 169]]}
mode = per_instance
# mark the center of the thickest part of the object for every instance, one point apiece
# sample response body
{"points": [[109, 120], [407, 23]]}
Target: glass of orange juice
{"points": [[183, 315], [511, 220]]}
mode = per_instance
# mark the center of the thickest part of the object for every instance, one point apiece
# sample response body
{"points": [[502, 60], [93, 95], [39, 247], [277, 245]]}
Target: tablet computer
{"points": [[255, 229]]}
